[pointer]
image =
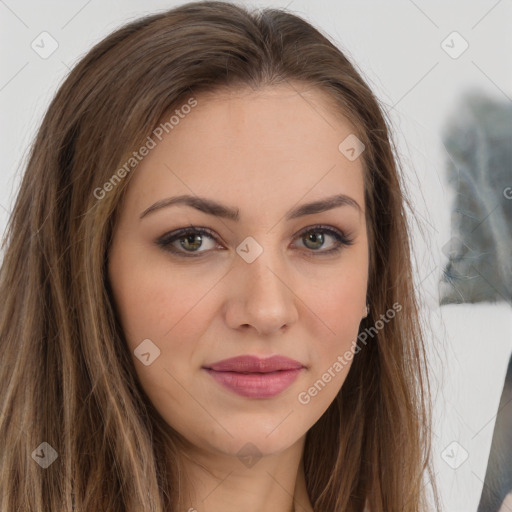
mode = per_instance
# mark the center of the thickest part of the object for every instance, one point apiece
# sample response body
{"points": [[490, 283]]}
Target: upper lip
{"points": [[254, 364]]}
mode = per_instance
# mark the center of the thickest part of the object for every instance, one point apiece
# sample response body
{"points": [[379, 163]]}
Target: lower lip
{"points": [[256, 385]]}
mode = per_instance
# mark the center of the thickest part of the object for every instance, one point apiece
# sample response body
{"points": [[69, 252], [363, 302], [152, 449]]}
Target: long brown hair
{"points": [[66, 378]]}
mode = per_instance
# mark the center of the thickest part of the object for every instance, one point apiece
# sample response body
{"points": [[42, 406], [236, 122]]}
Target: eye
{"points": [[189, 239], [192, 238], [315, 237]]}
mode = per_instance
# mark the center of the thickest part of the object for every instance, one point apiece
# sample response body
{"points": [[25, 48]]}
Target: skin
{"points": [[263, 152], [506, 506]]}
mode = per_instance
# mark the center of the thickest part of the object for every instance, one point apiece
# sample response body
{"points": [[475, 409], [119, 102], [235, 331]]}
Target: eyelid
{"points": [[344, 236], [343, 239]]}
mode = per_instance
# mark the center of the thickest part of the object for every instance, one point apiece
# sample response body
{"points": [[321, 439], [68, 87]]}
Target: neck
{"points": [[215, 482]]}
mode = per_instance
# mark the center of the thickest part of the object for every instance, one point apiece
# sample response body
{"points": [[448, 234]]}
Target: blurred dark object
{"points": [[478, 141], [498, 477]]}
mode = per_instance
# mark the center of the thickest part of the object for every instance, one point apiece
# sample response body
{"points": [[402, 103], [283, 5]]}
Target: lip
{"points": [[255, 377]]}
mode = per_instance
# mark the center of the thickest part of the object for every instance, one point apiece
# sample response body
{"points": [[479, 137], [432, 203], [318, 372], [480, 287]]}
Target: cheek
{"points": [[167, 307], [155, 301], [339, 304], [339, 307]]}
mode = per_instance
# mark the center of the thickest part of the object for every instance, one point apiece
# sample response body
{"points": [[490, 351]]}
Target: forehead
{"points": [[299, 116], [263, 145]]}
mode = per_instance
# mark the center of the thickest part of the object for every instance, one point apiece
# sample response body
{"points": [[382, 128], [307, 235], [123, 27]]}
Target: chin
{"points": [[256, 438]]}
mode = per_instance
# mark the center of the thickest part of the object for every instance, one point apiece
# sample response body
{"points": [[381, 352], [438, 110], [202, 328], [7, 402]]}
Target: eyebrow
{"points": [[212, 207]]}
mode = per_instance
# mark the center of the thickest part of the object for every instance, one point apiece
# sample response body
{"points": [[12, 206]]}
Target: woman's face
{"points": [[265, 280]]}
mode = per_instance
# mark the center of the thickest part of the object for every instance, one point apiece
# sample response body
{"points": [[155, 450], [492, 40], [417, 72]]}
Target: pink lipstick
{"points": [[253, 377]]}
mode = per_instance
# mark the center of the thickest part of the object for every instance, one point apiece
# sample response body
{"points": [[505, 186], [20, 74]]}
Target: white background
{"points": [[396, 45]]}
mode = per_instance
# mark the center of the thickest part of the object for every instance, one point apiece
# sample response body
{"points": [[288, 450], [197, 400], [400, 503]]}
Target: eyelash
{"points": [[166, 240]]}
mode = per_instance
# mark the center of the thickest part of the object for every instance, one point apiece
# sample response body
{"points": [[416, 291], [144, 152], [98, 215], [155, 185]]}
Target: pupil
{"points": [[190, 240], [315, 238]]}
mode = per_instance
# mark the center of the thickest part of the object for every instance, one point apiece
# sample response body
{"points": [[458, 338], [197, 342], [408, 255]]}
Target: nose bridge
{"points": [[262, 285], [265, 268]]}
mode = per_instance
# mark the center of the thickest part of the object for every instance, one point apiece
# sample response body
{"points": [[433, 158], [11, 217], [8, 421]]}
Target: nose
{"points": [[262, 295]]}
